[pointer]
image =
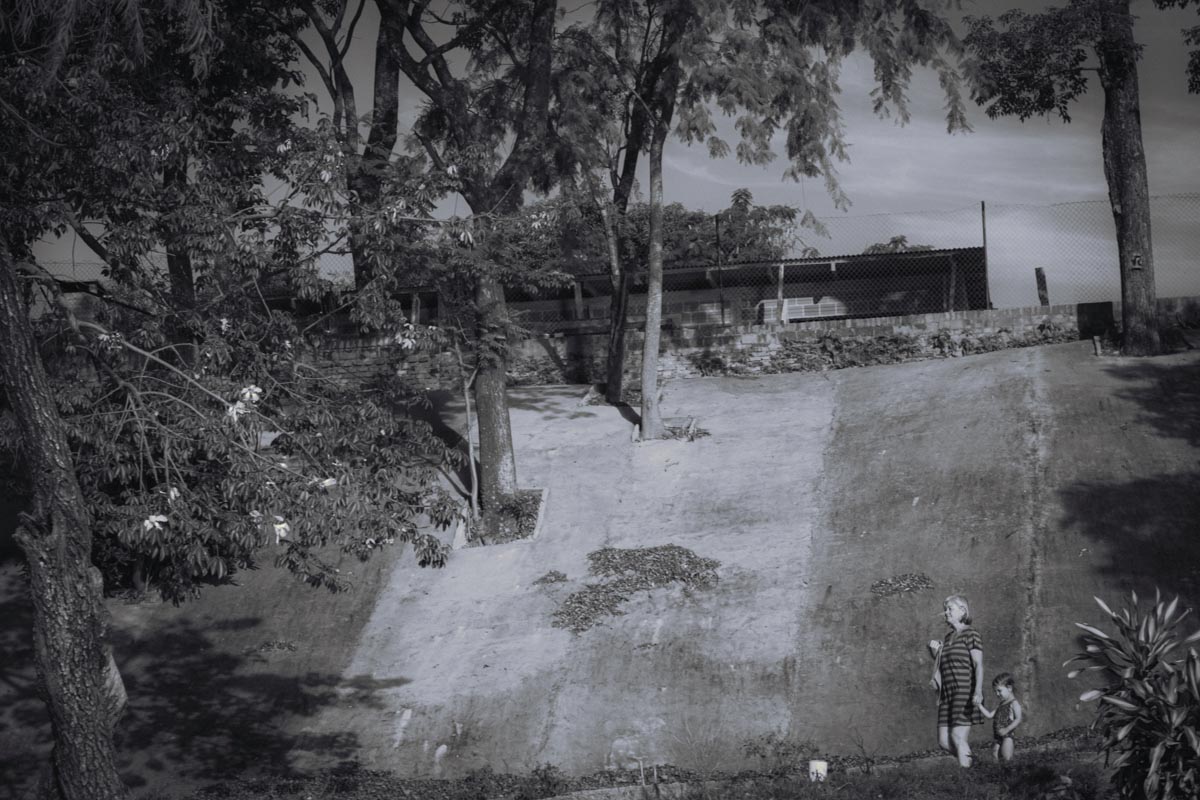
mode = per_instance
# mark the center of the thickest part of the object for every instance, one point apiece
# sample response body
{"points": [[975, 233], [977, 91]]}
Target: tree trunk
{"points": [[79, 680], [652, 424], [498, 465], [614, 379], [1128, 186], [619, 307], [374, 165]]}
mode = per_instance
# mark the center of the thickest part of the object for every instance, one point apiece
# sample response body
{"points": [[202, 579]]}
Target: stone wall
{"points": [[749, 349]]}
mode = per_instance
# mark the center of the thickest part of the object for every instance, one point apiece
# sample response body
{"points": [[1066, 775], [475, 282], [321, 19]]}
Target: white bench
{"points": [[799, 308]]}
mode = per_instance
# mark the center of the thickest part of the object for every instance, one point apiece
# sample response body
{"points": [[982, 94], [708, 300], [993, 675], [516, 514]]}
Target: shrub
{"points": [[1149, 710]]}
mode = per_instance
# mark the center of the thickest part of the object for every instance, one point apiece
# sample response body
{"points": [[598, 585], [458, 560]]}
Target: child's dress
{"points": [[956, 701], [1003, 718]]}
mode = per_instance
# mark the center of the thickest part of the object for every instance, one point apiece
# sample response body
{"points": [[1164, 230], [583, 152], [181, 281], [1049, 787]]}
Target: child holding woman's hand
{"points": [[1005, 718]]}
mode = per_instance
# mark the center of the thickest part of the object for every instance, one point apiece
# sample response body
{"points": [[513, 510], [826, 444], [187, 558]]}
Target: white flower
{"points": [[172, 494], [224, 324], [329, 483], [255, 516], [282, 529], [452, 171], [236, 410], [154, 522], [250, 394]]}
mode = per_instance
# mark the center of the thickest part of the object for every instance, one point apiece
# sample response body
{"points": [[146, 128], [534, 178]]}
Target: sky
{"points": [[919, 181], [1042, 181]]}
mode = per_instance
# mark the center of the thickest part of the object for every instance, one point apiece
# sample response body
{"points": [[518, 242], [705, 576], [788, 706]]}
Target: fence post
{"points": [[953, 293], [578, 299], [1043, 292], [779, 295], [987, 279]]}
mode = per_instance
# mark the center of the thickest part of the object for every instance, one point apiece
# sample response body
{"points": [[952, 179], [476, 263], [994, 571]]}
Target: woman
{"points": [[958, 677]]}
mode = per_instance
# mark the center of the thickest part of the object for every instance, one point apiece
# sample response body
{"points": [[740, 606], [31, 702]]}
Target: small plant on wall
{"points": [[1149, 701]]}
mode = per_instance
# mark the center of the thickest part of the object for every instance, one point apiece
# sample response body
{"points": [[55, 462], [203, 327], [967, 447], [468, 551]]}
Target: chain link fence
{"points": [[976, 257], [981, 256]]}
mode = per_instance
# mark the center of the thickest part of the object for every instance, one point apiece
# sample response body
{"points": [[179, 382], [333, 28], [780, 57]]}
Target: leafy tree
{"points": [[368, 167], [486, 124], [897, 244], [775, 68], [742, 232], [139, 448], [1035, 64]]}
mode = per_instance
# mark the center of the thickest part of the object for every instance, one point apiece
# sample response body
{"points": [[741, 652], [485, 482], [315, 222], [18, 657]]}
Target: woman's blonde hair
{"points": [[961, 602]]}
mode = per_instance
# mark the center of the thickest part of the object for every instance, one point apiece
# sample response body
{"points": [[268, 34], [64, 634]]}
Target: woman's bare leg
{"points": [[962, 747]]}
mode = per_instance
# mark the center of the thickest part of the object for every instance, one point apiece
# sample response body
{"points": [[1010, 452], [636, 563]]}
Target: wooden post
{"points": [[578, 299], [720, 269], [987, 281], [779, 295], [953, 284], [1043, 293]]}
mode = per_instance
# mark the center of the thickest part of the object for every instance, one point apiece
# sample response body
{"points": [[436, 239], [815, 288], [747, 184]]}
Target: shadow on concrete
{"points": [[24, 723], [197, 713], [201, 713], [557, 402], [1168, 393], [1150, 527], [628, 414], [445, 405]]}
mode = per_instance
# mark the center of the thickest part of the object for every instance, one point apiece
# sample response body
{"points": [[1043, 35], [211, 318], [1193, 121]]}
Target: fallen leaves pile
{"points": [[631, 570], [898, 584]]}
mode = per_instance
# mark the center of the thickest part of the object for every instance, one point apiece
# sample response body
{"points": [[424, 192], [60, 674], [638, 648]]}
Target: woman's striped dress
{"points": [[956, 704]]}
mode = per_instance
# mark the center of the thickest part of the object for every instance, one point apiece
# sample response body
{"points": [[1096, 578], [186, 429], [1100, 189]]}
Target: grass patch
{"points": [[1073, 774], [628, 571]]}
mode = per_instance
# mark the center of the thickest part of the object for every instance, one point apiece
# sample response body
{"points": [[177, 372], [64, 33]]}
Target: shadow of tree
{"points": [[1168, 393], [1150, 527], [444, 405], [197, 711], [24, 723], [550, 402]]}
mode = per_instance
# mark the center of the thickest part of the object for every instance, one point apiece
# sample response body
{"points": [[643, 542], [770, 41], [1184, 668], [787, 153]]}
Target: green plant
{"points": [[1149, 709]]}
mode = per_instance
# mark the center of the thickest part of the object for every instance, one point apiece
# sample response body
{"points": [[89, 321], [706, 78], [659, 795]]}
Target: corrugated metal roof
{"points": [[849, 257]]}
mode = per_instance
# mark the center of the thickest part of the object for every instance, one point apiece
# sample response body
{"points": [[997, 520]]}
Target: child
{"points": [[1005, 718]]}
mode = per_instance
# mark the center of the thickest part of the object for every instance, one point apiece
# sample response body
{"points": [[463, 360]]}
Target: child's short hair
{"points": [[1004, 679], [961, 602]]}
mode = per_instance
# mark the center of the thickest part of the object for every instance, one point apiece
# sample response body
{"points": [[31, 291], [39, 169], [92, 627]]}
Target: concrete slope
{"points": [[1027, 480], [488, 680]]}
